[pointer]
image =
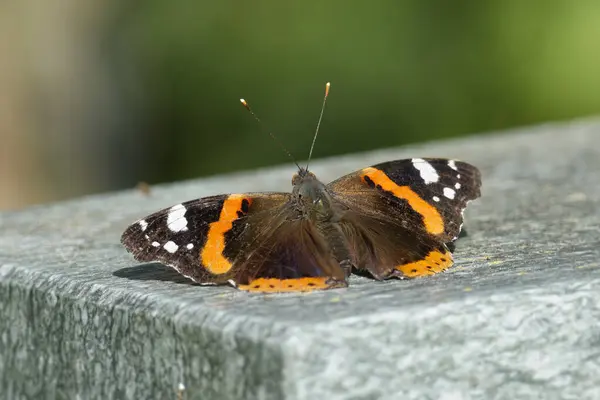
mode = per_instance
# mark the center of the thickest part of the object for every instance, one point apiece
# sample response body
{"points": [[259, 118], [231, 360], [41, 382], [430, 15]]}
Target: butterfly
{"points": [[396, 219]]}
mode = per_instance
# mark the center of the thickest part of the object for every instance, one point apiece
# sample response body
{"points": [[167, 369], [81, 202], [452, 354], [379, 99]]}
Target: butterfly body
{"points": [[391, 220]]}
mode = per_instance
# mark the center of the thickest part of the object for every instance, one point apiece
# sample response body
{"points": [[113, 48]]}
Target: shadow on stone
{"points": [[160, 272], [452, 245], [152, 272]]}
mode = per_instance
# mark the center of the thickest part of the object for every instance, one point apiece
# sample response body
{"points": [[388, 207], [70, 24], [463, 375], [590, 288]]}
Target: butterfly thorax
{"points": [[312, 198]]}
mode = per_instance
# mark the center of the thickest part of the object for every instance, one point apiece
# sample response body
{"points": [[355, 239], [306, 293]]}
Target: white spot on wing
{"points": [[452, 165], [457, 186], [435, 198], [155, 244], [428, 173], [171, 247], [176, 218], [449, 193], [143, 224], [190, 246], [458, 176]]}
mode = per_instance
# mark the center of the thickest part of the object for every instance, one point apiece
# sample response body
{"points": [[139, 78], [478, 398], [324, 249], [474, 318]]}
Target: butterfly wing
{"points": [[289, 254], [253, 241], [401, 214]]}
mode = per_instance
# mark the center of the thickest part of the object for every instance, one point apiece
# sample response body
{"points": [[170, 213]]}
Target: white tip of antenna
{"points": [[327, 86], [243, 101], [181, 387]]}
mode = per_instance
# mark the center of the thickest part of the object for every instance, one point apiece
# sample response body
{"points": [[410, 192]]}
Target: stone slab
{"points": [[516, 318]]}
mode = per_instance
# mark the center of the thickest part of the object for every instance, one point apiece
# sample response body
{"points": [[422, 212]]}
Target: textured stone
{"points": [[517, 317]]}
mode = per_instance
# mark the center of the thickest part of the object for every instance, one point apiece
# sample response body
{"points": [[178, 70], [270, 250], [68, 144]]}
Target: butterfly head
{"points": [[303, 175], [310, 194]]}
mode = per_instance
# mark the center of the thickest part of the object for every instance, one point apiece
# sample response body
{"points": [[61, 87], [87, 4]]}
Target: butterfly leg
{"points": [[347, 266], [396, 273]]}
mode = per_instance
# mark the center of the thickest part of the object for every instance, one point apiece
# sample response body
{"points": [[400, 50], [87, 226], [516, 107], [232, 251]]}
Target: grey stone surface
{"points": [[518, 317]]}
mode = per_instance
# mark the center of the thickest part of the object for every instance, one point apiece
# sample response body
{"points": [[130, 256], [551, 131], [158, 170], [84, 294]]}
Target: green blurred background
{"points": [[101, 96]]}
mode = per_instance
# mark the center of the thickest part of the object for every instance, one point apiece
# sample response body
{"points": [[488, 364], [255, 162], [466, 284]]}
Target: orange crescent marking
{"points": [[434, 223], [274, 285], [212, 253], [434, 262]]}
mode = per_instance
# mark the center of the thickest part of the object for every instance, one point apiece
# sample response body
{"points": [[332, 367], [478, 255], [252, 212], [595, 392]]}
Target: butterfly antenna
{"points": [[245, 104], [327, 86]]}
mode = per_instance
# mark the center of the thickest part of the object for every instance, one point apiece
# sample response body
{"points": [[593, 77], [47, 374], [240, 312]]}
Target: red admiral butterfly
{"points": [[393, 220]]}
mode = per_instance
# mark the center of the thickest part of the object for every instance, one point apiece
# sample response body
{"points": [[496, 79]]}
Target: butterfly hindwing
{"points": [[389, 248], [401, 213], [291, 255]]}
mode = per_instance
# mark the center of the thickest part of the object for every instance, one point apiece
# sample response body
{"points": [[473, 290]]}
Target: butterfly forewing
{"points": [[175, 236], [432, 186], [448, 185]]}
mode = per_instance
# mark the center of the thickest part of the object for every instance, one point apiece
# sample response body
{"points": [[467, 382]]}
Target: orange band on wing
{"points": [[212, 253], [434, 262], [273, 285], [434, 223]]}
